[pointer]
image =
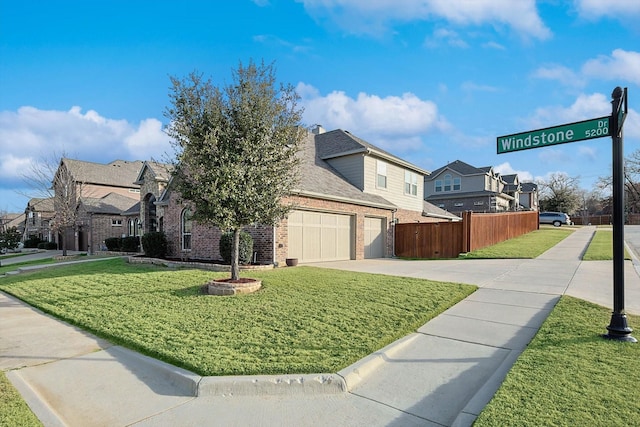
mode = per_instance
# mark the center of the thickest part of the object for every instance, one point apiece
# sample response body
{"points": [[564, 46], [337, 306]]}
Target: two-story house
{"points": [[37, 219], [101, 192], [458, 187], [349, 196]]}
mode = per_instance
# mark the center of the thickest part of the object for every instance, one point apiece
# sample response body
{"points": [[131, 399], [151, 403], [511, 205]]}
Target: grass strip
{"points": [[601, 247], [14, 411], [303, 320], [13, 267], [569, 375], [530, 245]]}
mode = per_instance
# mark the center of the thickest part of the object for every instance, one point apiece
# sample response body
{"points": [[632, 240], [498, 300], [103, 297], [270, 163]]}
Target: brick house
{"points": [[37, 219], [99, 190], [349, 196]]}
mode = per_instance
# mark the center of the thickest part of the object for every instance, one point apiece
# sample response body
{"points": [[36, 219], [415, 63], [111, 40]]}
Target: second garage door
{"points": [[319, 236]]}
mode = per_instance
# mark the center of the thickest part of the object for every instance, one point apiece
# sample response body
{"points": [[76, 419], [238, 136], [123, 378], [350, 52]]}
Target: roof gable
{"points": [[119, 173], [459, 167], [339, 143]]}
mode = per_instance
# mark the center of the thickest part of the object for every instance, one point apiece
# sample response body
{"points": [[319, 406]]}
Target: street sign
{"points": [[571, 132]]}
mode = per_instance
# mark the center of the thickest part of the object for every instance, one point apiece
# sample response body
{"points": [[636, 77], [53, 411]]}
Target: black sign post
{"points": [[618, 328]]}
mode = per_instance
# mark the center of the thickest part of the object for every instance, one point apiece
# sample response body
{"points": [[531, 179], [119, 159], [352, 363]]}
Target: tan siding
{"points": [[351, 167], [395, 185]]}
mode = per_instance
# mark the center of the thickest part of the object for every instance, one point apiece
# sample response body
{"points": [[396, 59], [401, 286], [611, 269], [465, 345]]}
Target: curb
{"points": [[355, 373], [45, 413], [270, 385]]}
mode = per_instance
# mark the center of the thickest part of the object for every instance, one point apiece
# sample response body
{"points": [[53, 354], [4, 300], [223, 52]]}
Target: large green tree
{"points": [[236, 148]]}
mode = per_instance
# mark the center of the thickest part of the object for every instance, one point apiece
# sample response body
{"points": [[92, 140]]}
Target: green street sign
{"points": [[571, 132]]}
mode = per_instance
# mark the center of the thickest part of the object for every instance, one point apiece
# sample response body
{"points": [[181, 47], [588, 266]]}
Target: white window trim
{"points": [[381, 170], [183, 233], [116, 223], [411, 179]]}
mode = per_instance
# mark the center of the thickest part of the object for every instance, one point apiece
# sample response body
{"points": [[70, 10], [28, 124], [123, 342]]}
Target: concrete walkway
{"points": [[441, 375]]}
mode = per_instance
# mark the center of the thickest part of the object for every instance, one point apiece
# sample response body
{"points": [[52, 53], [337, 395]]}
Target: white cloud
{"points": [[584, 108], [589, 153], [447, 37], [375, 17], [561, 74], [594, 9], [507, 169], [29, 134], [621, 65], [392, 121]]}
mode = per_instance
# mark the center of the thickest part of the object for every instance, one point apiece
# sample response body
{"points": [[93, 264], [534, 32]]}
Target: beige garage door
{"points": [[318, 236], [374, 237]]}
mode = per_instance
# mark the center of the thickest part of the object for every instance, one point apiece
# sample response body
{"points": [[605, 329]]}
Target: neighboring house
{"points": [[513, 188], [529, 196], [100, 219], [152, 178], [95, 181], [349, 196], [10, 220], [37, 219], [459, 187]]}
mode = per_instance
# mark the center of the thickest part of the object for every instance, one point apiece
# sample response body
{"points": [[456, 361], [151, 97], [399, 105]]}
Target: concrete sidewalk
{"points": [[443, 374]]}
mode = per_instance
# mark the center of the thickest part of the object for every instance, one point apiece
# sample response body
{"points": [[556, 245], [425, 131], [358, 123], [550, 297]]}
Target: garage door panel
{"points": [[374, 241], [318, 236]]}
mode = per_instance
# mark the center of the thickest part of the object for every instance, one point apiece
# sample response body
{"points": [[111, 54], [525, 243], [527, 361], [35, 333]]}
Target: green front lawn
{"points": [[570, 376], [13, 409], [304, 320], [530, 245], [13, 267]]}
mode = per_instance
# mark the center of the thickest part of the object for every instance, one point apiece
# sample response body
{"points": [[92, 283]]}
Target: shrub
{"points": [[47, 245], [32, 242], [245, 252], [155, 244], [113, 243], [129, 244]]}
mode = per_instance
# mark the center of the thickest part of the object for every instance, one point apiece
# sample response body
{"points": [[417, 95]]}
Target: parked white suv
{"points": [[555, 218]]}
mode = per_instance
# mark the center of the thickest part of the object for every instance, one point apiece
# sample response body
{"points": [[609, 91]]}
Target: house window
{"points": [[438, 185], [441, 205], [478, 203], [185, 229], [458, 204], [410, 183], [381, 174], [116, 223], [456, 184], [447, 182]]}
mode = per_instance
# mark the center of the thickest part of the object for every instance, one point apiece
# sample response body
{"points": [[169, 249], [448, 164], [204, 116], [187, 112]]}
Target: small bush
{"points": [[155, 244], [33, 242], [113, 243], [245, 251], [130, 244], [48, 245]]}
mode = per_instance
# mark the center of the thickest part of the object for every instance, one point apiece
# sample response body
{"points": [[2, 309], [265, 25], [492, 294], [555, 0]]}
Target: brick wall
{"points": [[205, 239]]}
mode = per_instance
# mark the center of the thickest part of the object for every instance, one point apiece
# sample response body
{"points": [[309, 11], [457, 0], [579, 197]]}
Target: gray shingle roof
{"points": [[41, 205], [337, 143], [119, 173], [112, 203], [460, 167], [432, 210], [528, 187], [318, 178], [161, 171]]}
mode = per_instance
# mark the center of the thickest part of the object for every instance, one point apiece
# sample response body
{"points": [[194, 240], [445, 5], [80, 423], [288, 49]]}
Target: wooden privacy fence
{"points": [[629, 219], [450, 239]]}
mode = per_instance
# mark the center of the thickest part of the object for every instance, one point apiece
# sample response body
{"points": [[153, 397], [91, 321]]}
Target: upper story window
{"points": [[116, 223], [438, 186], [381, 175], [185, 229], [456, 184], [447, 182], [410, 183]]}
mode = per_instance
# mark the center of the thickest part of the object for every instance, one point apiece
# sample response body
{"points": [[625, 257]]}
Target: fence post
{"points": [[466, 231]]}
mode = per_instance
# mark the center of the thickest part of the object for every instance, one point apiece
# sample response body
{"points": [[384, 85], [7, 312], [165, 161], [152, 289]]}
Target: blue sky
{"points": [[431, 81]]}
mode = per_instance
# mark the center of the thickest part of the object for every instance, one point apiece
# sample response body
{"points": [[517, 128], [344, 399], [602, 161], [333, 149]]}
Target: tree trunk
{"points": [[62, 241], [235, 254]]}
